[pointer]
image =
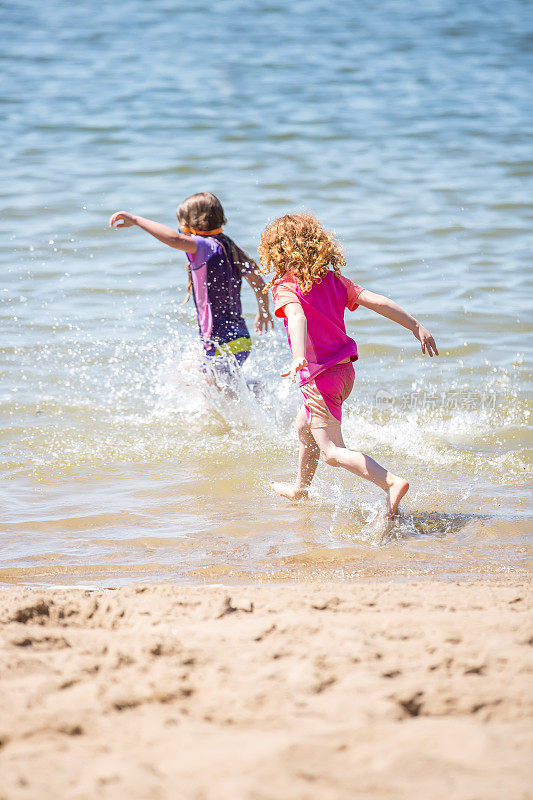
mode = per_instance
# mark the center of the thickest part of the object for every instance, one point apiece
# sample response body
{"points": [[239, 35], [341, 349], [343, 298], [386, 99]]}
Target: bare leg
{"points": [[336, 454], [190, 372], [307, 462]]}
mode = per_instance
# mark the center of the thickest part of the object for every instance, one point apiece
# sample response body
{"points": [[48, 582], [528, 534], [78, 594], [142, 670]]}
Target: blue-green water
{"points": [[405, 127]]}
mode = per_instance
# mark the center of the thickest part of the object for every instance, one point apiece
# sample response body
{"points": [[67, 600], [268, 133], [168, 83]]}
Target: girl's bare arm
{"points": [[297, 325], [263, 318], [388, 308], [123, 219]]}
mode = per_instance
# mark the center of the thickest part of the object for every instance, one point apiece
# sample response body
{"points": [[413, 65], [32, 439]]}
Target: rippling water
{"points": [[403, 127]]}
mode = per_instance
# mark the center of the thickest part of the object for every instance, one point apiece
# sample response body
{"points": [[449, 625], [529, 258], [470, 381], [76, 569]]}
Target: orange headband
{"points": [[201, 233]]}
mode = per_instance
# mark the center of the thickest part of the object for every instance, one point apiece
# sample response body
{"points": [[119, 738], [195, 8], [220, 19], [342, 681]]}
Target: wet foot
{"points": [[398, 489], [289, 491]]}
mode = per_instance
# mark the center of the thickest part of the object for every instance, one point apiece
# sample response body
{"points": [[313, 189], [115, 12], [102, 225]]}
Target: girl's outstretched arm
{"points": [[297, 325], [123, 219], [388, 308], [263, 318]]}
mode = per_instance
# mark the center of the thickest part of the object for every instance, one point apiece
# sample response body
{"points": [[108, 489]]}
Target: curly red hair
{"points": [[299, 243]]}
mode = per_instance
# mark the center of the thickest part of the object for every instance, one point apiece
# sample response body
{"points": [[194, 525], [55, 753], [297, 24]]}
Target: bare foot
{"points": [[289, 491], [398, 489]]}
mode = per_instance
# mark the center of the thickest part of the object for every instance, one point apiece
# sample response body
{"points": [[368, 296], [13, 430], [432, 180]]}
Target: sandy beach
{"points": [[301, 691]]}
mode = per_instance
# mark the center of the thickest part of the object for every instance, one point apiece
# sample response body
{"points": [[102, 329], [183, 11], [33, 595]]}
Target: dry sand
{"points": [[383, 691]]}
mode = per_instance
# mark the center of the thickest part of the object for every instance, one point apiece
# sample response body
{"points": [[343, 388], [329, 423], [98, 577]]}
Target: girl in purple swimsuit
{"points": [[311, 295], [216, 266]]}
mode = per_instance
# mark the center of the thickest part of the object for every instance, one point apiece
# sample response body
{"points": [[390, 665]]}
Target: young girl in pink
{"points": [[311, 295]]}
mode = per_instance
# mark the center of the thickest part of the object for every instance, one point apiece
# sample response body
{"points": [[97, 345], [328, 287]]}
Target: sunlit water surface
{"points": [[403, 127]]}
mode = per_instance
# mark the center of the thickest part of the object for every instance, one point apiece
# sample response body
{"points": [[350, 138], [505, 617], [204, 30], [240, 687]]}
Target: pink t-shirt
{"points": [[323, 306]]}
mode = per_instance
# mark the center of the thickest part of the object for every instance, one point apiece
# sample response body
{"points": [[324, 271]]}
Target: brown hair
{"points": [[202, 211], [299, 243]]}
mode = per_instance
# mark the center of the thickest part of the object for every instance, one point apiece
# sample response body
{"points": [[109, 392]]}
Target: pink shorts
{"points": [[323, 397]]}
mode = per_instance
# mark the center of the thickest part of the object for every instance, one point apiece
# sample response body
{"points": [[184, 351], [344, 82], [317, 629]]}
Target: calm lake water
{"points": [[403, 127]]}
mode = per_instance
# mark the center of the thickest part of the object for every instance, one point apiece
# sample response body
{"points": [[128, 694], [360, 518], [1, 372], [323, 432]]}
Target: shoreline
{"points": [[375, 689], [519, 578], [300, 570]]}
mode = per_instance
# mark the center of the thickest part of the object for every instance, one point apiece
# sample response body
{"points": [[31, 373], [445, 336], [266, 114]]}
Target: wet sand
{"points": [[381, 691]]}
